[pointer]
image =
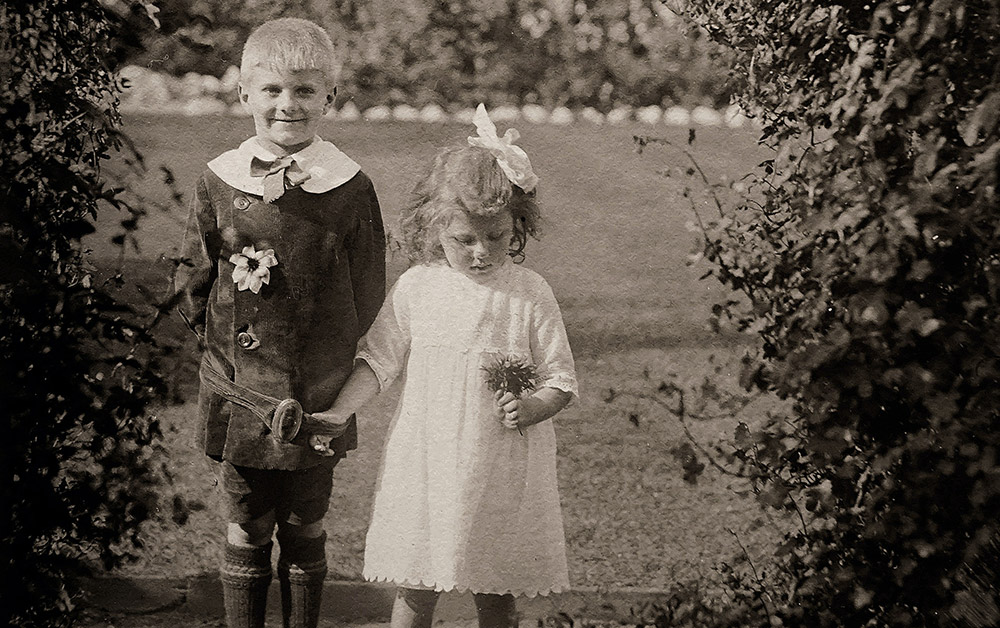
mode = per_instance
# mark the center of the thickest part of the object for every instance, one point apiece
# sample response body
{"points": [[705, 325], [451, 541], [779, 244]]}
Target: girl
{"points": [[467, 496]]}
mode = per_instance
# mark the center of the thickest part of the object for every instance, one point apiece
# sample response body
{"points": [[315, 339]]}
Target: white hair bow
{"points": [[511, 159]]}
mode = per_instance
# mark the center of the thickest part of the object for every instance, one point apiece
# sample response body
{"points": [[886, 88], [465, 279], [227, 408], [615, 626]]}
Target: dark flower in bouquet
{"points": [[512, 375]]}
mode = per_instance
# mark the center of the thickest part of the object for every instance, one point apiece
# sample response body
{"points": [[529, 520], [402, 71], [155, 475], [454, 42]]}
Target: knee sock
{"points": [[246, 574], [301, 570]]}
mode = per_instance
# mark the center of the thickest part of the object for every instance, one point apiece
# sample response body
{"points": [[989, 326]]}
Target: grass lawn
{"points": [[614, 250]]}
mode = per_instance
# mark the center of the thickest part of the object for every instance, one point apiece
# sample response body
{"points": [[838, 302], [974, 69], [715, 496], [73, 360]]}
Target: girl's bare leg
{"points": [[496, 611], [413, 608]]}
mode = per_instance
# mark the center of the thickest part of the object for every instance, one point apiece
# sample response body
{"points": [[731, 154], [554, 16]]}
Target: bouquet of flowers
{"points": [[512, 375]]}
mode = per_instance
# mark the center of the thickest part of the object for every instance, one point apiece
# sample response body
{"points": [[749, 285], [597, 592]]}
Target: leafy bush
{"points": [[78, 369], [866, 260]]}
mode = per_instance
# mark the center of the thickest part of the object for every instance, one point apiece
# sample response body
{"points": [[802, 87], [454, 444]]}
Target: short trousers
{"points": [[298, 497]]}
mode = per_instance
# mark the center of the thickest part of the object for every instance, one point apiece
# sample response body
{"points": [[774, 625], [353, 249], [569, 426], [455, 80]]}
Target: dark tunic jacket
{"points": [[323, 294]]}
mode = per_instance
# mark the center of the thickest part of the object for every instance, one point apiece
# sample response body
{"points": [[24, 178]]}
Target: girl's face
{"points": [[477, 245]]}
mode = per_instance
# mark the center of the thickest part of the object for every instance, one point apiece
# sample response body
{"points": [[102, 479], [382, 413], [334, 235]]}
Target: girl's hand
{"points": [[539, 406], [510, 408], [320, 444], [333, 423]]}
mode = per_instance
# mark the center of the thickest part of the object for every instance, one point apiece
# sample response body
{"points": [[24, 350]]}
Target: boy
{"points": [[283, 270]]}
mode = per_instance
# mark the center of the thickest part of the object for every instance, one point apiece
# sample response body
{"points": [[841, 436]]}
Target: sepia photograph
{"points": [[500, 313]]}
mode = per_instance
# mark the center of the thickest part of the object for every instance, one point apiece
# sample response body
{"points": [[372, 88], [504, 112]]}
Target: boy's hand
{"points": [[320, 444]]}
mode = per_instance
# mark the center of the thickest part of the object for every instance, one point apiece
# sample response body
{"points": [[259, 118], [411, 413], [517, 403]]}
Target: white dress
{"points": [[463, 503]]}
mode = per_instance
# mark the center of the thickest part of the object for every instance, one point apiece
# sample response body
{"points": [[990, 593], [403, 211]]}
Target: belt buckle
{"points": [[286, 420]]}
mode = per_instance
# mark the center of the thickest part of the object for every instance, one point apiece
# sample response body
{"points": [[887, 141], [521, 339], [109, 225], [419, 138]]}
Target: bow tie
{"points": [[281, 174]]}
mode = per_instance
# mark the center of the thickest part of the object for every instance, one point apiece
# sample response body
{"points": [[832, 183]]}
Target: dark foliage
{"points": [[78, 369], [866, 259]]}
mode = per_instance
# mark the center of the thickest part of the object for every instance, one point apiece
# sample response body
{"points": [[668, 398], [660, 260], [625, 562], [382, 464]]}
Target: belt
{"points": [[283, 417]]}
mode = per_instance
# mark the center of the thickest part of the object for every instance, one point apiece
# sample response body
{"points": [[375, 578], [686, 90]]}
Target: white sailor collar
{"points": [[327, 166]]}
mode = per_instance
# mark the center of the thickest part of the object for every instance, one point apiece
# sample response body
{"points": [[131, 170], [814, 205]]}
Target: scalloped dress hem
{"points": [[441, 588]]}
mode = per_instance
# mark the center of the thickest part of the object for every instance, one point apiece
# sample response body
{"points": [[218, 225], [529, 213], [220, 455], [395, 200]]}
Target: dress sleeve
{"points": [[386, 344], [196, 269], [550, 349], [367, 258]]}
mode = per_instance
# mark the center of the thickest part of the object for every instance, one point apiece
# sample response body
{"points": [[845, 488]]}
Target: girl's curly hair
{"points": [[465, 178]]}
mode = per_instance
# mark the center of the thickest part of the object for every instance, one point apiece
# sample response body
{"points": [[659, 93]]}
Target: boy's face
{"points": [[287, 106]]}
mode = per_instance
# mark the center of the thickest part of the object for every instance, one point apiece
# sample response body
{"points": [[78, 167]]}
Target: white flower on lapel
{"points": [[253, 268]]}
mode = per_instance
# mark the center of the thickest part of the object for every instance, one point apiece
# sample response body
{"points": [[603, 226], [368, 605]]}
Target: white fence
{"points": [[195, 95]]}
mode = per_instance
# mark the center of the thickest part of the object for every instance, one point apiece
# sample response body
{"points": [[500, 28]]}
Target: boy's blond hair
{"points": [[289, 44]]}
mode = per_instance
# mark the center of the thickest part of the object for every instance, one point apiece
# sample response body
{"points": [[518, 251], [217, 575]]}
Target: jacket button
{"points": [[241, 203], [244, 340]]}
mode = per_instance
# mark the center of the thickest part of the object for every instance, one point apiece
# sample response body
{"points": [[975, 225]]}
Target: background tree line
{"points": [[553, 52]]}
